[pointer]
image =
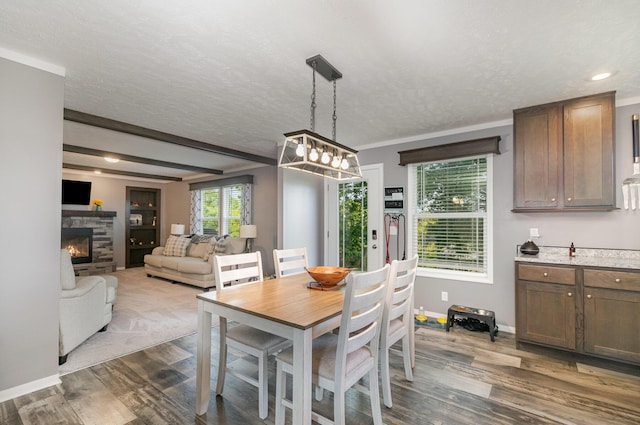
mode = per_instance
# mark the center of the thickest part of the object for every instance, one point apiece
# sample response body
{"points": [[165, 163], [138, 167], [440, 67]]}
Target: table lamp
{"points": [[248, 231], [177, 229]]}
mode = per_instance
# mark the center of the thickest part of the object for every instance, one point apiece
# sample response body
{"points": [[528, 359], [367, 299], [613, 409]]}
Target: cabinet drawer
{"points": [[562, 275], [627, 281]]}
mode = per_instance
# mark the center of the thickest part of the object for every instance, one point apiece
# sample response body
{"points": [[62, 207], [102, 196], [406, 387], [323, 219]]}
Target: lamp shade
{"points": [[177, 229], [248, 231]]}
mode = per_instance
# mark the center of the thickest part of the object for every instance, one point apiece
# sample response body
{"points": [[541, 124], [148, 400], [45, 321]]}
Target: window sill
{"points": [[454, 275]]}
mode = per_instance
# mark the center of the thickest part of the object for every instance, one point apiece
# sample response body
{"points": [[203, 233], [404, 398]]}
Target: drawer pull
{"points": [[545, 274], [589, 296], [618, 280], [569, 294]]}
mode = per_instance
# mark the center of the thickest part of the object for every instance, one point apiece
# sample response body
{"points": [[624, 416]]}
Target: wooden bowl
{"points": [[328, 275]]}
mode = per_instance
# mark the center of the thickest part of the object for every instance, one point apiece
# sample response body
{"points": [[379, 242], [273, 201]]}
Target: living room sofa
{"points": [[190, 259]]}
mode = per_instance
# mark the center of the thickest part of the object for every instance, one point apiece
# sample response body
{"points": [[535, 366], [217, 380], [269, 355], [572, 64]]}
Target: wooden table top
{"points": [[286, 300]]}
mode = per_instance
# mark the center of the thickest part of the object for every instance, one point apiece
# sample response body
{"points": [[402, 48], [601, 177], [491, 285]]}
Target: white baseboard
{"points": [[501, 327], [120, 268], [29, 387]]}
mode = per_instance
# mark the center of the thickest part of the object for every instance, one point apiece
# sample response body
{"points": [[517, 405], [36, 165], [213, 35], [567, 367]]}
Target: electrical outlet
{"points": [[445, 296]]}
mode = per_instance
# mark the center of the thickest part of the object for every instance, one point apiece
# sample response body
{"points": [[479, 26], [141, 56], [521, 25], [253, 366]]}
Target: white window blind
{"points": [[221, 210], [231, 210], [450, 218], [210, 211]]}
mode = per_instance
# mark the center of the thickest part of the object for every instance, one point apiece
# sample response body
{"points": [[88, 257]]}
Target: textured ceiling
{"points": [[233, 73]]}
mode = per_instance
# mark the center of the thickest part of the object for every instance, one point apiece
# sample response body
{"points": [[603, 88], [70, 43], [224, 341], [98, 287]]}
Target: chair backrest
{"points": [[361, 315], [67, 274], [402, 277], [238, 268], [290, 261]]}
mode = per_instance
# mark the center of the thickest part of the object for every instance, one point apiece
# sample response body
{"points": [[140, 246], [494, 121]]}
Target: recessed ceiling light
{"points": [[110, 159], [97, 172], [601, 76]]}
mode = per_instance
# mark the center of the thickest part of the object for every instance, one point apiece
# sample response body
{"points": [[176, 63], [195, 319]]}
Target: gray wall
{"points": [[615, 229], [302, 213], [31, 107], [113, 191], [264, 213]]}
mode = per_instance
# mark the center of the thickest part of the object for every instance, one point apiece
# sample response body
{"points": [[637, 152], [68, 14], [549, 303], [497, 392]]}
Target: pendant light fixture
{"points": [[307, 151]]}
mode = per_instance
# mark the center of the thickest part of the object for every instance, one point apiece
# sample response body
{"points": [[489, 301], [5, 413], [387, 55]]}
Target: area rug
{"points": [[148, 312]]}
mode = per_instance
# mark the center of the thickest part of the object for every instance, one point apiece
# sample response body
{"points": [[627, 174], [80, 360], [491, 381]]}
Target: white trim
{"points": [[467, 129], [436, 134], [32, 62], [29, 387], [628, 101], [489, 257]]}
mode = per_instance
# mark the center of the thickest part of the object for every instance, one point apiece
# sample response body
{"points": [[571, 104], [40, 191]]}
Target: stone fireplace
{"points": [[98, 257], [79, 243]]}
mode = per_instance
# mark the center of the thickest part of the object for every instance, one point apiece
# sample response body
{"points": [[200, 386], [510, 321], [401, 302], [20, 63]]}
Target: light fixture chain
{"points": [[335, 117], [313, 98]]}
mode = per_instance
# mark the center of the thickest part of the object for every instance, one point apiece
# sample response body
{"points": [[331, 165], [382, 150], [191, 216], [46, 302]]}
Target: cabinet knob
{"points": [[545, 274], [553, 199], [618, 280], [569, 294], [569, 199], [589, 296]]}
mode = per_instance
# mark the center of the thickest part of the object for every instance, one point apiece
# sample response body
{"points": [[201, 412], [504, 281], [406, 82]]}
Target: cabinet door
{"points": [[537, 150], [546, 313], [588, 152], [612, 323]]}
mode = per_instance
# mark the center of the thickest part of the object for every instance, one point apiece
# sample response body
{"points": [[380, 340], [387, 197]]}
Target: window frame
{"points": [[223, 218], [412, 218]]}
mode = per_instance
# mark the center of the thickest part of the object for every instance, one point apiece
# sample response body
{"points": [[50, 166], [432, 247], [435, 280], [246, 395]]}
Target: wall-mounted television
{"points": [[76, 192]]}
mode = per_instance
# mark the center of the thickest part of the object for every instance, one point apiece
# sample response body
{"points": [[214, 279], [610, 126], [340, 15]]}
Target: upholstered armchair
{"points": [[85, 306]]}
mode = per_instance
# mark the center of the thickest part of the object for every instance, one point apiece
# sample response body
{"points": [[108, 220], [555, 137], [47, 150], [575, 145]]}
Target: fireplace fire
{"points": [[79, 243]]}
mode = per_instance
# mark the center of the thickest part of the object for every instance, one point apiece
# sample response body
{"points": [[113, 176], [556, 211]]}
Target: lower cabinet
{"points": [[587, 310], [612, 314], [546, 314], [546, 306]]}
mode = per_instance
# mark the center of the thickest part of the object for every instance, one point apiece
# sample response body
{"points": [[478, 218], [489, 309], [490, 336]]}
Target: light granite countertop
{"points": [[584, 257]]}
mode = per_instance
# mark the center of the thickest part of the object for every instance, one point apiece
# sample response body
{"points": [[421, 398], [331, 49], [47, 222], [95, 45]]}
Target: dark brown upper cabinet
{"points": [[564, 155]]}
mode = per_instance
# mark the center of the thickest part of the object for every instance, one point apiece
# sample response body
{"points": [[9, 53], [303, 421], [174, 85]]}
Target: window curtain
{"points": [[196, 211], [245, 215]]}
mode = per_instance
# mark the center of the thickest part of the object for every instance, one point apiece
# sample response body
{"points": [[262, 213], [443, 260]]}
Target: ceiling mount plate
{"points": [[324, 68]]}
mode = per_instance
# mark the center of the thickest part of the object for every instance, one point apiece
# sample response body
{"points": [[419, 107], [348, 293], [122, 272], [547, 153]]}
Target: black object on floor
{"points": [[475, 319]]}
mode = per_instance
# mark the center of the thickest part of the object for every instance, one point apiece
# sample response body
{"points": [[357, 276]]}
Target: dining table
{"points": [[290, 307]]}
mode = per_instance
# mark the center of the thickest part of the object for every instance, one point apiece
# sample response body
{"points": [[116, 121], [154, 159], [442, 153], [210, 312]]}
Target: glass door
{"points": [[354, 221]]}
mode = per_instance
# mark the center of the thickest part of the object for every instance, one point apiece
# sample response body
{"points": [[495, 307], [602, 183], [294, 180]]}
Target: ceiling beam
{"points": [[123, 127], [138, 159], [119, 172]]}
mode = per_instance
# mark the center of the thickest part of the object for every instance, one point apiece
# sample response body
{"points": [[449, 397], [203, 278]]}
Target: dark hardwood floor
{"points": [[460, 378]]}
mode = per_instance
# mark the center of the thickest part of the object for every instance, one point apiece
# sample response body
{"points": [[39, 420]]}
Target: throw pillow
{"points": [[218, 247], [221, 246], [176, 246], [201, 238], [211, 248]]}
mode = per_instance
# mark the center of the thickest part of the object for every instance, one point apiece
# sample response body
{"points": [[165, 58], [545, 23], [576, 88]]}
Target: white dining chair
{"points": [[290, 261], [340, 361], [245, 269], [397, 321]]}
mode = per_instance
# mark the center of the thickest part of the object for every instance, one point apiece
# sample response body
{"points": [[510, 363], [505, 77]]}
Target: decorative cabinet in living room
{"points": [[142, 224], [564, 155], [546, 305], [612, 314]]}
